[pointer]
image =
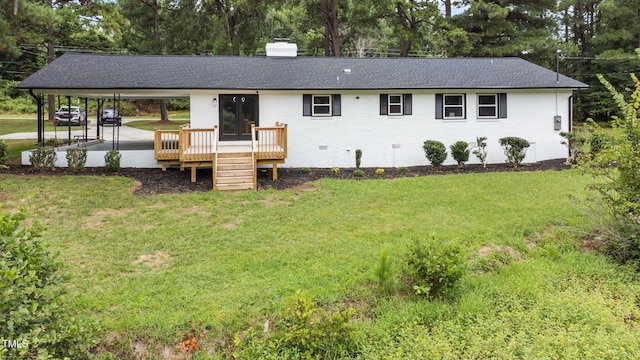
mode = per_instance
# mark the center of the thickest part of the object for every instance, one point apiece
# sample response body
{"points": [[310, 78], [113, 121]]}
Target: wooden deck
{"points": [[231, 164]]}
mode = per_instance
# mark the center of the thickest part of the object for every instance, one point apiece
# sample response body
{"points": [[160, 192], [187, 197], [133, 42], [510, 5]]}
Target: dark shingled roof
{"points": [[131, 72]]}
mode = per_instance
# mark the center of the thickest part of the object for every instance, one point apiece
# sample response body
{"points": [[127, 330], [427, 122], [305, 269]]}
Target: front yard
{"points": [[146, 265]]}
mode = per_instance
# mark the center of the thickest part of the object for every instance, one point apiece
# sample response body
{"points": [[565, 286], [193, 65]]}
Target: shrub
{"points": [[379, 171], [357, 173], [480, 150], [403, 169], [77, 158], [384, 273], [575, 141], [43, 158], [515, 149], [435, 151], [112, 160], [335, 171], [435, 268], [460, 152], [34, 317], [315, 332], [4, 153], [305, 171], [358, 158], [613, 162]]}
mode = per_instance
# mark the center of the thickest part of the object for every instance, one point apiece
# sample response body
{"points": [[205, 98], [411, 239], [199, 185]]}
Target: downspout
{"points": [[40, 119]]}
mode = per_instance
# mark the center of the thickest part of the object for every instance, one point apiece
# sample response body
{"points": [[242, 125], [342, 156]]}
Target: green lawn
{"points": [[10, 125], [146, 265]]}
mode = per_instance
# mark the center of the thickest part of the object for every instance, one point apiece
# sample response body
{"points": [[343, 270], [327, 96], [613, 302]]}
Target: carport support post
{"points": [[98, 114], [86, 119], [40, 117], [69, 119]]}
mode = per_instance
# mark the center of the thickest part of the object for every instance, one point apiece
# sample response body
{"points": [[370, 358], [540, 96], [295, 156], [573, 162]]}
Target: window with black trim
{"points": [[488, 106], [451, 106], [321, 105], [454, 106], [492, 106], [395, 104]]}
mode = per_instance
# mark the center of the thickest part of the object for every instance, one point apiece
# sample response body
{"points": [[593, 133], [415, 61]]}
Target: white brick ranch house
{"points": [[331, 106]]}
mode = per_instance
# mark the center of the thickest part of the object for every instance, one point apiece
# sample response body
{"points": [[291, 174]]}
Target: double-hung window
{"points": [[488, 106], [395, 104], [454, 106], [451, 106], [492, 106], [321, 105]]}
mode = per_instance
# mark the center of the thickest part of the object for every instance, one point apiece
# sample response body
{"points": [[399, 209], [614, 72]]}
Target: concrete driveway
{"points": [[106, 132]]}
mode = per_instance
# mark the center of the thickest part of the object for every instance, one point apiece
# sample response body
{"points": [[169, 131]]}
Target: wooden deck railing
{"points": [[198, 144], [166, 144], [269, 142]]}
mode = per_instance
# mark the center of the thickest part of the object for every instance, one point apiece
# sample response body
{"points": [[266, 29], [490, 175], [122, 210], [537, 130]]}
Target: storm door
{"points": [[237, 114]]}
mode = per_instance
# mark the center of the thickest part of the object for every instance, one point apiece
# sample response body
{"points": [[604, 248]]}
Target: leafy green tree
{"points": [[410, 20], [616, 170]]}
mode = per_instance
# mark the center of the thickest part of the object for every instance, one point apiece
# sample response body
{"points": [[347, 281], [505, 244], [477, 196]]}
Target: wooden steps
{"points": [[234, 171]]}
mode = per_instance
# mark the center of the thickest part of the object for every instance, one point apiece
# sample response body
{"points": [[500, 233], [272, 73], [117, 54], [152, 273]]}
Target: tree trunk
{"points": [[164, 114], [331, 29], [447, 8], [405, 47]]}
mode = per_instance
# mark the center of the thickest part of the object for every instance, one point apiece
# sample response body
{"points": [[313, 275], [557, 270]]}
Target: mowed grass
{"points": [[145, 265], [12, 125]]}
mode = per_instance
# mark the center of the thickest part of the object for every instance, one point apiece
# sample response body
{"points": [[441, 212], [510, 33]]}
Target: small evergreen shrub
{"points": [[403, 170], [480, 150], [435, 268], [460, 152], [379, 171], [435, 151], [314, 332], [112, 160], [77, 158], [4, 153], [43, 158], [515, 149], [358, 158], [357, 173], [34, 317], [384, 273], [305, 171]]}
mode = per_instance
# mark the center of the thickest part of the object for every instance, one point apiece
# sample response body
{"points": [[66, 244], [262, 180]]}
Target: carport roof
{"points": [[91, 75]]}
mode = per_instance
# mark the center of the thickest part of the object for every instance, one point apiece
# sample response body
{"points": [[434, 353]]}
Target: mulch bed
{"points": [[155, 181]]}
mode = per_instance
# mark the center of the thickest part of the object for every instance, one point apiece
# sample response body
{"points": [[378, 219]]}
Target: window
{"points": [[395, 104], [454, 107], [492, 106], [321, 105], [488, 106]]}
